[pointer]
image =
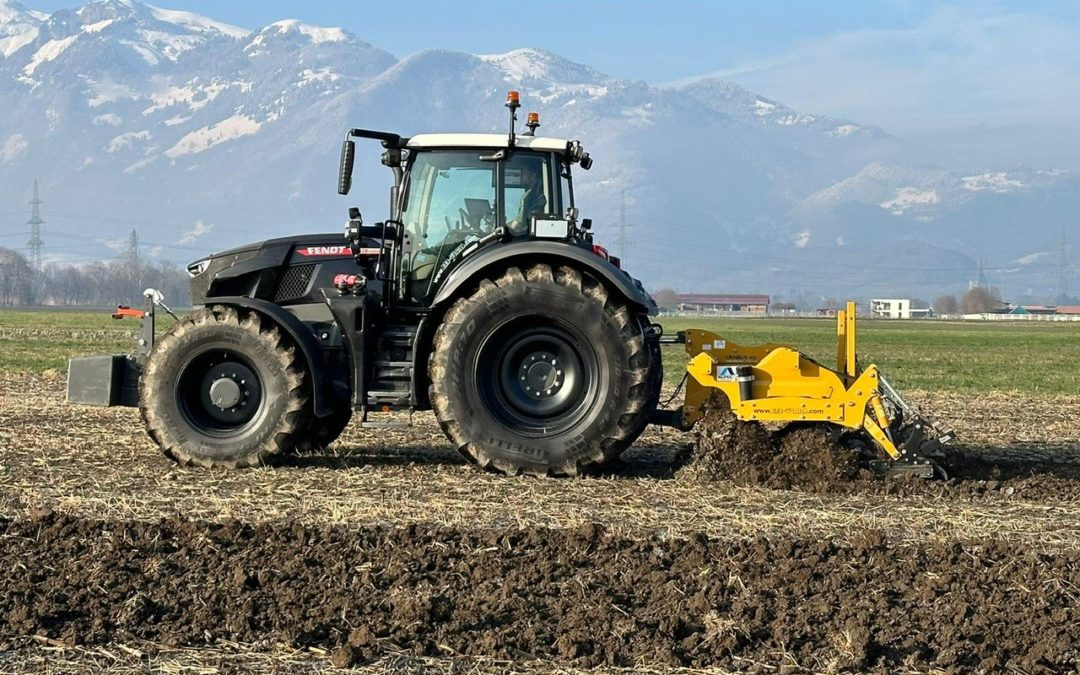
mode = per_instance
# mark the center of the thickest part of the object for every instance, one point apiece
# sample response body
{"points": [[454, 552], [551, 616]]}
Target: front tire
{"points": [[541, 372], [222, 389]]}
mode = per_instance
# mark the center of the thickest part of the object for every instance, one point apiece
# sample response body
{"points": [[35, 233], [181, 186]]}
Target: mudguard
{"points": [[300, 334], [554, 252]]}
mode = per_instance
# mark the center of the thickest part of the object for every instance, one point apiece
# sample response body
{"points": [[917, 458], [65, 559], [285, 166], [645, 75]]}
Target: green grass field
{"points": [[934, 355], [1036, 357]]}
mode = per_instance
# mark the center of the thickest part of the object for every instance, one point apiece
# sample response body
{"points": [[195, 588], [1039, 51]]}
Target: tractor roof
{"points": [[486, 141]]}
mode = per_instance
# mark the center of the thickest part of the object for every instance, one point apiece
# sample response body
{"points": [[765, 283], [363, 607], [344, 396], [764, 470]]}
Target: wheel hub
{"points": [[541, 375], [230, 393], [535, 376], [225, 393]]}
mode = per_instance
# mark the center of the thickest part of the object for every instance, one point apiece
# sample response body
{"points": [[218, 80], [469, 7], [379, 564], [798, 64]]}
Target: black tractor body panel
{"points": [[286, 271]]}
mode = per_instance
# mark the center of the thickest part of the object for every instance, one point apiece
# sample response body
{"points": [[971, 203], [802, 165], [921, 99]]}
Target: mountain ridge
{"points": [[132, 111]]}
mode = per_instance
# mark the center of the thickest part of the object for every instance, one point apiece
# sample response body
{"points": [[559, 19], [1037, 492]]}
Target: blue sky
{"points": [[997, 77]]}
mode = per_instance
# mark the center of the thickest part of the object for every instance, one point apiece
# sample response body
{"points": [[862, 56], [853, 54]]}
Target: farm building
{"points": [[895, 308], [1033, 309], [712, 303]]}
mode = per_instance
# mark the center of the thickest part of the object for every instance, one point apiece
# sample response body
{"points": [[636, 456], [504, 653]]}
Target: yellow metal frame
{"points": [[788, 386]]}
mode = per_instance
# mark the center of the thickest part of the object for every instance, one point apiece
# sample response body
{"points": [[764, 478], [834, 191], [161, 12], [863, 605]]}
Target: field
{"points": [[388, 553]]}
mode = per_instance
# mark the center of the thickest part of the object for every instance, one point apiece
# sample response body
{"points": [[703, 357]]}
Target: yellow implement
{"points": [[776, 383]]}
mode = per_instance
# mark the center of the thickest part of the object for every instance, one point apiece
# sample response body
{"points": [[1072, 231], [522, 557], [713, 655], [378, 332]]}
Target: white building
{"points": [[895, 308]]}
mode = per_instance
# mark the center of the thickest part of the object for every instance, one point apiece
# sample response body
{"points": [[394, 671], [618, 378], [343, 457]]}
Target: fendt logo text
{"points": [[323, 250]]}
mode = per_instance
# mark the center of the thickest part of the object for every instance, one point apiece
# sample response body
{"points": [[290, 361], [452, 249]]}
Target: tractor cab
{"points": [[457, 193]]}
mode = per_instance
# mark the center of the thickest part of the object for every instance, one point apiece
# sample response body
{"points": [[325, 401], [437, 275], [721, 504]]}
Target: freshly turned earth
{"points": [[582, 596], [738, 549]]}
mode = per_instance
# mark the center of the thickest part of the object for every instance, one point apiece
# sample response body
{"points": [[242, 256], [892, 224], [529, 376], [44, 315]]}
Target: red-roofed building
{"points": [[709, 303], [1070, 310]]}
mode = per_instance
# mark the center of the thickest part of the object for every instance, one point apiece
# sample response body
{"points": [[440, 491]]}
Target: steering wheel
{"points": [[469, 227]]}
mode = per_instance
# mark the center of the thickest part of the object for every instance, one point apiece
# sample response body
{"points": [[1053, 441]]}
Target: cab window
{"points": [[450, 200], [527, 192]]}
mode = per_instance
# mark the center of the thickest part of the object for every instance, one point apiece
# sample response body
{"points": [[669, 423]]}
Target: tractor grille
{"points": [[294, 282]]}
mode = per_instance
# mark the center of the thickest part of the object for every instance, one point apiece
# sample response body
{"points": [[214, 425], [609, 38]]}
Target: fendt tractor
{"points": [[484, 298]]}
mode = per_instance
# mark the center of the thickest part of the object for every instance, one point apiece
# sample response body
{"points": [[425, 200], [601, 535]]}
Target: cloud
{"points": [[13, 147], [803, 239], [1028, 259], [965, 74], [192, 235], [117, 245]]}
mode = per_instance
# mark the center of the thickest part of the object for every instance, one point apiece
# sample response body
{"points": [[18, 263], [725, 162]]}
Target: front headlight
{"points": [[197, 268]]}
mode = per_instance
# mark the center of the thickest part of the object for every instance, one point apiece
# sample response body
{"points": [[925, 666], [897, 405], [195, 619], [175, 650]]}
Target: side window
{"points": [[564, 188], [449, 201], [461, 199], [527, 191]]}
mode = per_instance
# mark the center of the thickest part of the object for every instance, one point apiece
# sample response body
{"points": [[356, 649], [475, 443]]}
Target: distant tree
{"points": [[947, 304], [832, 303], [101, 284], [666, 298], [981, 299], [16, 279], [919, 303]]}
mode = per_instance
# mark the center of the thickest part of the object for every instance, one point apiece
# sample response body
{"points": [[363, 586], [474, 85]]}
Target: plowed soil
{"points": [[389, 553], [747, 453], [580, 596], [805, 457]]}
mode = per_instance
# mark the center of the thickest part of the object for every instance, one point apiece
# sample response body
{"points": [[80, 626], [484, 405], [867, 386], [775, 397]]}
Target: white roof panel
{"points": [[486, 141]]}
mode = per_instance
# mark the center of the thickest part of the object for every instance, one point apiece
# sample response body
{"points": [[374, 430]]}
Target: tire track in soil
{"points": [[582, 597]]}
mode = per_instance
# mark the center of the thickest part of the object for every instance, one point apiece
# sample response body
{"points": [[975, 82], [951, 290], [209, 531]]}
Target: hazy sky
{"points": [[979, 78]]}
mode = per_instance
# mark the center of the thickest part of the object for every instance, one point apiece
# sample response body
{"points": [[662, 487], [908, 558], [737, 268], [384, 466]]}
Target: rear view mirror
{"points": [[348, 156]]}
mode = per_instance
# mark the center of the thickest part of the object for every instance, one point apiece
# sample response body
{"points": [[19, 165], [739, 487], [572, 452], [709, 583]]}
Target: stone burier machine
{"points": [[484, 298]]}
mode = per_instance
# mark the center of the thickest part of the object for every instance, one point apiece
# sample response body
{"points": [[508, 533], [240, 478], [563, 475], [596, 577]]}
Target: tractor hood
{"points": [[239, 263]]}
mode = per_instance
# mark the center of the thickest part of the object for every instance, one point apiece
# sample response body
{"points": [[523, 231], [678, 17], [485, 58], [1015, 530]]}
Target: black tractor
{"points": [[482, 297]]}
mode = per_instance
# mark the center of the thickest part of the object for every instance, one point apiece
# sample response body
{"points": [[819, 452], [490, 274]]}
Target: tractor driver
{"points": [[533, 201]]}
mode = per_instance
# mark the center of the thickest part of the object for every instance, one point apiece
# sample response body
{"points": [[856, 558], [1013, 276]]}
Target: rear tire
{"points": [[220, 389], [541, 373]]}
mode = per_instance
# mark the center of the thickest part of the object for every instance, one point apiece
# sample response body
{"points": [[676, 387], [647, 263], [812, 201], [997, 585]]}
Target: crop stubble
{"points": [[390, 547]]}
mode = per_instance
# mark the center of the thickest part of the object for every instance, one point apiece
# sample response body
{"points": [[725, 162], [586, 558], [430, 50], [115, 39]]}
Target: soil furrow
{"points": [[582, 596]]}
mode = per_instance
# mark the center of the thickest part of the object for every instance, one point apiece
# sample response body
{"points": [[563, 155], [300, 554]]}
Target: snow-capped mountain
{"points": [[204, 135]]}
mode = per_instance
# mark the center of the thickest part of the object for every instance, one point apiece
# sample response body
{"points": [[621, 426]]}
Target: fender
{"points": [[300, 334], [554, 251]]}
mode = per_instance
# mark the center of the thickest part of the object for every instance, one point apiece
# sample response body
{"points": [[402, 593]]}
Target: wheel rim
{"points": [[219, 393], [537, 378]]}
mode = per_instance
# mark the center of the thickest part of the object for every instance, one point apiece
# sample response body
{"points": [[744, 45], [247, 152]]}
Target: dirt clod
{"points": [[746, 453], [575, 596]]}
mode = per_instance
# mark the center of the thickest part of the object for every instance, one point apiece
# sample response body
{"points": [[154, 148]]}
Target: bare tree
{"points": [[16, 279], [666, 298], [947, 304], [981, 299], [102, 284]]}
